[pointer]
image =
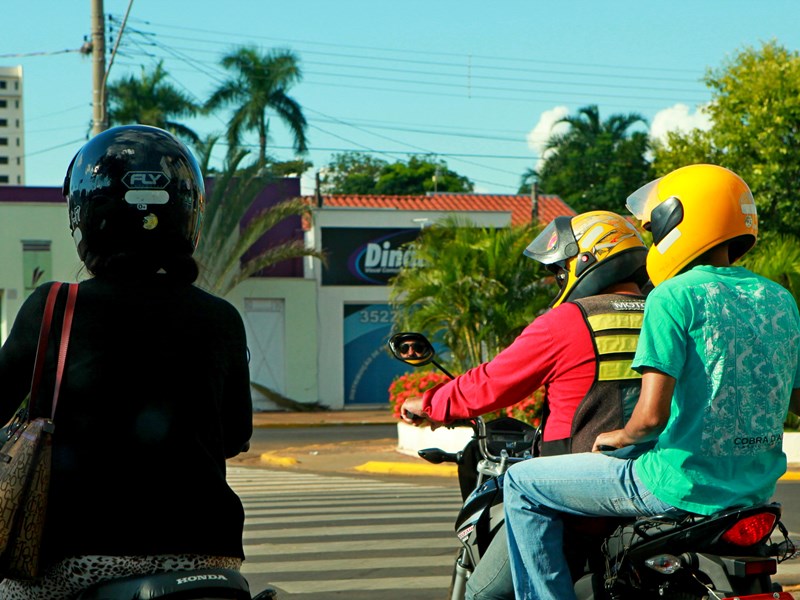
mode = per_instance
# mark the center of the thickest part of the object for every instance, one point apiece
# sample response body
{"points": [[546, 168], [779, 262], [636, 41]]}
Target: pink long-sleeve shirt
{"points": [[554, 351]]}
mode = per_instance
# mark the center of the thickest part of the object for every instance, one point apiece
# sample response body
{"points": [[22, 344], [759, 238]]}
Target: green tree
{"points": [[359, 173], [777, 257], [595, 164], [150, 100], [755, 131], [351, 173], [260, 83], [475, 292], [419, 175], [224, 241]]}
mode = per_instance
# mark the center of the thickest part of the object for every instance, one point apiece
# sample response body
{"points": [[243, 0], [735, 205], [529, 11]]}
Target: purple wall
{"points": [[287, 230], [16, 193]]}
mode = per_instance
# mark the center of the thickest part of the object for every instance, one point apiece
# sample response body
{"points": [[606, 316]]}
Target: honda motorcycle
{"points": [[730, 555]]}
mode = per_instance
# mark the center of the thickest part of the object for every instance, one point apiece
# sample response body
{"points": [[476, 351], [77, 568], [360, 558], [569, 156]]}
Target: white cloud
{"points": [[678, 118], [545, 128]]}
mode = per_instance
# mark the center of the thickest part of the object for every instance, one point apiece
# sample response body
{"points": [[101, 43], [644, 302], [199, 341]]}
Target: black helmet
{"points": [[134, 189]]}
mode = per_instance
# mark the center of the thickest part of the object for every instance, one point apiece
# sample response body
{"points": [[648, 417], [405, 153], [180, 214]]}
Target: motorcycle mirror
{"points": [[411, 348]]}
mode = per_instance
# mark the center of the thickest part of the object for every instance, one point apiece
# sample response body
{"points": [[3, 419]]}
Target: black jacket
{"points": [[155, 396]]}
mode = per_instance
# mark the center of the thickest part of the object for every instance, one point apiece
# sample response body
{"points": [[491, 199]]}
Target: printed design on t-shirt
{"points": [[747, 331]]}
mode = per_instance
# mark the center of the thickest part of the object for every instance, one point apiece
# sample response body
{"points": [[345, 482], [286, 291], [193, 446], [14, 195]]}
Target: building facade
{"points": [[12, 133], [316, 332]]}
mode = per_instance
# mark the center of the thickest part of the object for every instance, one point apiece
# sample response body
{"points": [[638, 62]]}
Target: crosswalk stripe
{"points": [[351, 585], [330, 517], [308, 533], [282, 550], [315, 532], [346, 564]]}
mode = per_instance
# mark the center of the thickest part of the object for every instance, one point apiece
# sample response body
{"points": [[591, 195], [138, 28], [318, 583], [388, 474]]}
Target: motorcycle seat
{"points": [[202, 583]]}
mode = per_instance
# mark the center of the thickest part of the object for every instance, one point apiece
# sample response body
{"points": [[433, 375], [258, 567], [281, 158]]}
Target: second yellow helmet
{"points": [[691, 210]]}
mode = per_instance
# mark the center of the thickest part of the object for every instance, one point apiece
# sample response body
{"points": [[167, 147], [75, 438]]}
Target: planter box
{"points": [[410, 439], [791, 446]]}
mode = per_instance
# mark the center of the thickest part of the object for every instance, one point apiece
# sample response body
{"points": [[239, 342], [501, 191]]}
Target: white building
{"points": [[316, 334], [12, 129]]}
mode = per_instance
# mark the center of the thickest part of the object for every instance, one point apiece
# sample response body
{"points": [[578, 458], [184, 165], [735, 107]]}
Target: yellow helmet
{"points": [[589, 253], [691, 210]]}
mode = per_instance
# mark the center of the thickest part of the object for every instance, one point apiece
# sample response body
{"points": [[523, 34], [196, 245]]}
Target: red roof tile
{"points": [[520, 205]]}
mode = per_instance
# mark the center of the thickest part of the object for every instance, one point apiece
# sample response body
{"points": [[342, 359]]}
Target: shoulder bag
{"points": [[25, 459]]}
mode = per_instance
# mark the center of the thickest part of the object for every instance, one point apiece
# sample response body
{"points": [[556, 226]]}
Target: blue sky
{"points": [[475, 83]]}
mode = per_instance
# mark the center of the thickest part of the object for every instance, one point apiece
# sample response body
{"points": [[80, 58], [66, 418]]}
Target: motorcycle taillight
{"points": [[750, 530]]}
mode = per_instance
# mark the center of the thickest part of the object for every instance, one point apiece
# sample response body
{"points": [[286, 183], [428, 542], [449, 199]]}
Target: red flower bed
{"points": [[412, 385]]}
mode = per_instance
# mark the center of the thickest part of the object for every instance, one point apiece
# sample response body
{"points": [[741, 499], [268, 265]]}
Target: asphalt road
{"points": [[274, 439], [266, 439]]}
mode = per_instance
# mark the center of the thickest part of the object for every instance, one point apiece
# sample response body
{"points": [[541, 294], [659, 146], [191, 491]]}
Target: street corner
{"points": [[793, 475], [277, 460], [403, 468]]}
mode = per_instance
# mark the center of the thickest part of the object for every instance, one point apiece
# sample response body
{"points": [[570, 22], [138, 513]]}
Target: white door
{"points": [[265, 327]]}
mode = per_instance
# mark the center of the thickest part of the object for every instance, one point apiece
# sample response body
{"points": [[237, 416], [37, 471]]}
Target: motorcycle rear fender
{"points": [[702, 536]]}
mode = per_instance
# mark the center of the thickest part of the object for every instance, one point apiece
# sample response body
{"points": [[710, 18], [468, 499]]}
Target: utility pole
{"points": [[99, 115]]}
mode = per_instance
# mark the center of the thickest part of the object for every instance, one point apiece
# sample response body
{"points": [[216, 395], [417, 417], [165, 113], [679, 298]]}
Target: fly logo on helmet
{"points": [[145, 180], [146, 187]]}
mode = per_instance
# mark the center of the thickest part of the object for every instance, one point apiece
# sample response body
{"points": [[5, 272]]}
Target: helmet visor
{"points": [[556, 243], [642, 201]]}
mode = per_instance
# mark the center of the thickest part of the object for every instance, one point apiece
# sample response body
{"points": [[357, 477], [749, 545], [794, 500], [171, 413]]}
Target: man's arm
{"points": [[650, 414]]}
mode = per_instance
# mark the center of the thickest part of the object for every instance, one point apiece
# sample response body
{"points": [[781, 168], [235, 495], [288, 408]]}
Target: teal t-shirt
{"points": [[731, 339]]}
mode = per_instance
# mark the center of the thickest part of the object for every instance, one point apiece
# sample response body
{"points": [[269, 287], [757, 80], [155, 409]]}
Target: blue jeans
{"points": [[491, 579], [536, 491]]}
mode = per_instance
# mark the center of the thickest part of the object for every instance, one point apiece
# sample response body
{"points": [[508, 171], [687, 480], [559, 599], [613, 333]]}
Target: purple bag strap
{"points": [[44, 336]]}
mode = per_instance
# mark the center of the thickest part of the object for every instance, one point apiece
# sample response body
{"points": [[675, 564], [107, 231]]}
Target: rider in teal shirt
{"points": [[716, 330]]}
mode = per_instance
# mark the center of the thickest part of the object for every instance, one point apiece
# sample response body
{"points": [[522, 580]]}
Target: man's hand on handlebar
{"points": [[411, 412]]}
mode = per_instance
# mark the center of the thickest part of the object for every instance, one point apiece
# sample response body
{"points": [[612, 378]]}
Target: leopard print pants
{"points": [[71, 575]]}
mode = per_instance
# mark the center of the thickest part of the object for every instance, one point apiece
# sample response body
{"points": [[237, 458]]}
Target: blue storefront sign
{"points": [[369, 368]]}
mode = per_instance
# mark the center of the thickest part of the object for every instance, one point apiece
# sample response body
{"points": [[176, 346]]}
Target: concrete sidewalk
{"points": [[373, 456]]}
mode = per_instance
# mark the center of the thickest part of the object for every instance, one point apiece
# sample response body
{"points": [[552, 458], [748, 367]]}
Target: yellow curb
{"points": [[283, 461], [396, 468], [791, 476]]}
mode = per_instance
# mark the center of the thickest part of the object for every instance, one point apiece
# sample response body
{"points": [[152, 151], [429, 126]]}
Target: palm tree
{"points": [[260, 82], [595, 164], [150, 100], [476, 291], [224, 242]]}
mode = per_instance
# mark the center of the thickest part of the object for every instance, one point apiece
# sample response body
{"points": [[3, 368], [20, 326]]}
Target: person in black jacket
{"points": [[156, 391]]}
